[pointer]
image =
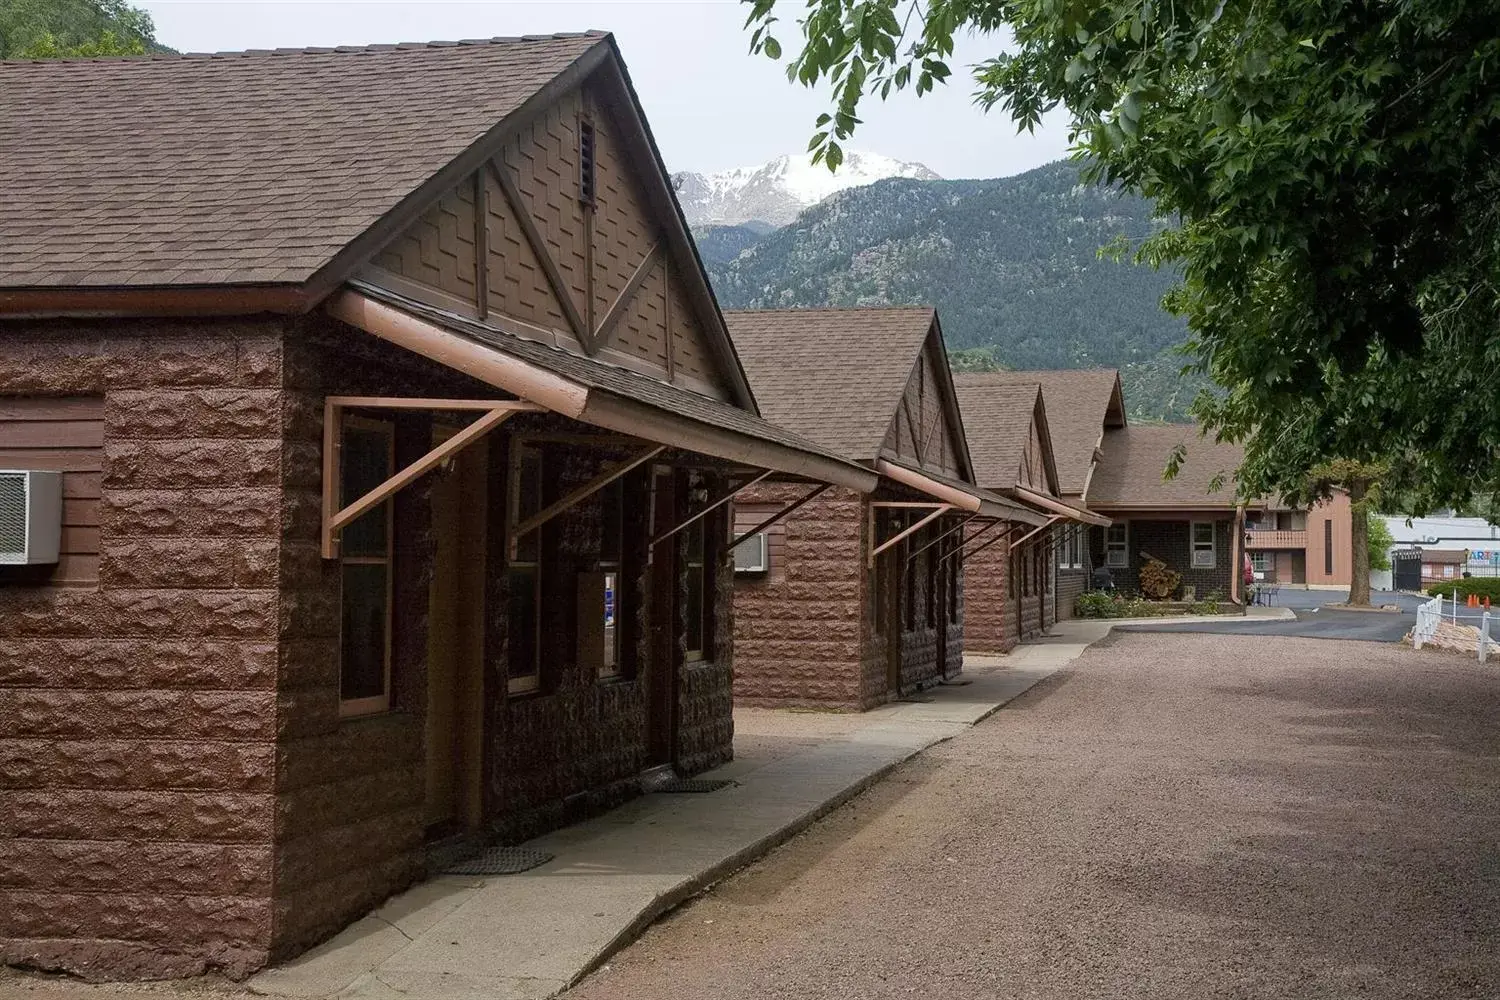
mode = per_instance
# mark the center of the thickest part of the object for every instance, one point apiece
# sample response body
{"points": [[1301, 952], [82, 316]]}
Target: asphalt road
{"points": [[1315, 619], [1187, 817]]}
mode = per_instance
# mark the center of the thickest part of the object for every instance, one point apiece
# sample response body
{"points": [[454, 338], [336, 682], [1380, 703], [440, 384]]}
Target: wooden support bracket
{"points": [[495, 412], [783, 512], [709, 509], [957, 527], [583, 492], [940, 510]]}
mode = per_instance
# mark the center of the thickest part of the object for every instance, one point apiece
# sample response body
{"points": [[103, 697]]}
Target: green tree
{"points": [[1330, 170], [1362, 482], [1380, 541], [55, 29]]}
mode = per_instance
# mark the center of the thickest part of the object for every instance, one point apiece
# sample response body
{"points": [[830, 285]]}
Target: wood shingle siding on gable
{"points": [[921, 433], [63, 434], [595, 279]]}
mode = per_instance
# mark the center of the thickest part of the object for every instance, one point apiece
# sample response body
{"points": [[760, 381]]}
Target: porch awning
{"points": [[591, 392], [1080, 514], [964, 496]]}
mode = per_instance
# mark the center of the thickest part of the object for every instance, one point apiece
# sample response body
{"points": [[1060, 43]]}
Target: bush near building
{"points": [[1480, 586]]}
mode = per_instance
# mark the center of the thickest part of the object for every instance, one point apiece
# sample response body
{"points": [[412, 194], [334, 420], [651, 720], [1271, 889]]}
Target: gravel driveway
{"points": [[1175, 816]]}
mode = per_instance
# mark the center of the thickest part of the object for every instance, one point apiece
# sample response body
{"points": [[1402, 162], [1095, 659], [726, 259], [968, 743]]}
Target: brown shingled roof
{"points": [[1077, 404], [238, 168], [834, 376], [1130, 471], [997, 422]]}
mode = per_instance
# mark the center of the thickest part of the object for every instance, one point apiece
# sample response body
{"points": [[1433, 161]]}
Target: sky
{"points": [[711, 105]]}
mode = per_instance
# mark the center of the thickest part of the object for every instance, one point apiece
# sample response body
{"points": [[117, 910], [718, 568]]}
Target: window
{"points": [[1070, 548], [524, 575], [693, 609], [366, 458], [1328, 548], [1117, 544], [611, 539], [1260, 562], [586, 185], [955, 571], [909, 609], [1204, 556]]}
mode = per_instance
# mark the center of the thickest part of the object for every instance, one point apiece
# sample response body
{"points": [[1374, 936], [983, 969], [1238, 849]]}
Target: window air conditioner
{"points": [[750, 556], [30, 517]]}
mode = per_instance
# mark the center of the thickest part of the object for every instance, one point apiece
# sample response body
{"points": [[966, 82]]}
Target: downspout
{"points": [[1237, 577]]}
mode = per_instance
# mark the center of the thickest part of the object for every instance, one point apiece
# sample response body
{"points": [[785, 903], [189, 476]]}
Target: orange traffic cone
{"points": [[1473, 601], [1486, 602]]}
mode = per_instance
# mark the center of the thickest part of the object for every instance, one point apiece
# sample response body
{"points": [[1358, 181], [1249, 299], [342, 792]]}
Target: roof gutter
{"points": [[582, 403], [1080, 514], [973, 502], [459, 353]]}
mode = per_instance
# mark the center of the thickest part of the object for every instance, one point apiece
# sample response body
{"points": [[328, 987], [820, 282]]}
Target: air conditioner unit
{"points": [[1203, 559], [30, 517], [752, 555]]}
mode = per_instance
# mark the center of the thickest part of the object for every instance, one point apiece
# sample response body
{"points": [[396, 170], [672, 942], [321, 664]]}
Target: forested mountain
{"points": [[1012, 265]]}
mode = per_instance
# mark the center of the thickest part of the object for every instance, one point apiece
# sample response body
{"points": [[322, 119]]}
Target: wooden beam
{"points": [[543, 255], [627, 295], [961, 522], [783, 512], [709, 509], [412, 472], [978, 548], [333, 439], [583, 492], [941, 510], [666, 316], [419, 403], [915, 429], [481, 244]]}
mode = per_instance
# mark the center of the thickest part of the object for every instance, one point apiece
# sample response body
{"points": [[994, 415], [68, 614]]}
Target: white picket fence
{"points": [[1430, 624]]}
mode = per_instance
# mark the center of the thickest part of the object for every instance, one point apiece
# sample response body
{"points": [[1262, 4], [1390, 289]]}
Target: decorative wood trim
{"points": [[481, 244], [915, 428], [627, 295], [543, 255], [413, 206], [666, 315]]}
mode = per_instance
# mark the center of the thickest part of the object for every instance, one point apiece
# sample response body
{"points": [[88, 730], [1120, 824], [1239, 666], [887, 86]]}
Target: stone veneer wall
{"points": [[989, 612], [139, 717], [801, 631]]}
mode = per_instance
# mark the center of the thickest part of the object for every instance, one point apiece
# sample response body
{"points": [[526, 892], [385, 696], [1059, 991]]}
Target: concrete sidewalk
{"points": [[532, 935]]}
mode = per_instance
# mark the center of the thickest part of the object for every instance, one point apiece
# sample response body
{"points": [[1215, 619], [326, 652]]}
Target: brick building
{"points": [[849, 600], [1010, 585], [396, 425], [1191, 522]]}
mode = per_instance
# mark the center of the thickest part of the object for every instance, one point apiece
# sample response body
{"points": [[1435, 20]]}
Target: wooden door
{"points": [[666, 652], [455, 644]]}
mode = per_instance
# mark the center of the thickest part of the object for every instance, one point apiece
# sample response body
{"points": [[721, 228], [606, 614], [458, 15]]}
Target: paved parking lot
{"points": [[1316, 619], [1175, 816]]}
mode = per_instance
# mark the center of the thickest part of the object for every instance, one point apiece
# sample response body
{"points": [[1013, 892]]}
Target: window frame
{"points": [[613, 667], [353, 708], [1269, 564], [1122, 546], [1195, 546], [531, 682], [697, 530]]}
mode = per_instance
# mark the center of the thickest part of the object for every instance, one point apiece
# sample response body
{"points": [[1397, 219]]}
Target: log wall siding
{"points": [[138, 718], [63, 434]]}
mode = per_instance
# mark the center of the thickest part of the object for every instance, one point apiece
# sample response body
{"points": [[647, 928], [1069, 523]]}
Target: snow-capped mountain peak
{"points": [[776, 191]]}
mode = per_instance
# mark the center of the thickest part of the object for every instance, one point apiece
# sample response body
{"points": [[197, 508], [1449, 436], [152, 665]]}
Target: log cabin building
{"points": [[851, 600], [1012, 591], [396, 426]]}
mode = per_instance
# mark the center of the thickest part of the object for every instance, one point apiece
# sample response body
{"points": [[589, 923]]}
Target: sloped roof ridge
{"points": [[318, 49]]}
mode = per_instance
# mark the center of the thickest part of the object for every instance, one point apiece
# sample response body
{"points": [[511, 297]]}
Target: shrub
{"points": [[1481, 586], [1099, 604], [1209, 605], [1095, 604]]}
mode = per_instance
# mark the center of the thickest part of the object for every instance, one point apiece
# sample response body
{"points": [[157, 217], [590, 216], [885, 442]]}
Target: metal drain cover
{"points": [[499, 861], [693, 785]]}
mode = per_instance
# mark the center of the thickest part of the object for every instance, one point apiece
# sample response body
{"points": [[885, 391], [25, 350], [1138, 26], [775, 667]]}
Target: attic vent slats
{"points": [[586, 187]]}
